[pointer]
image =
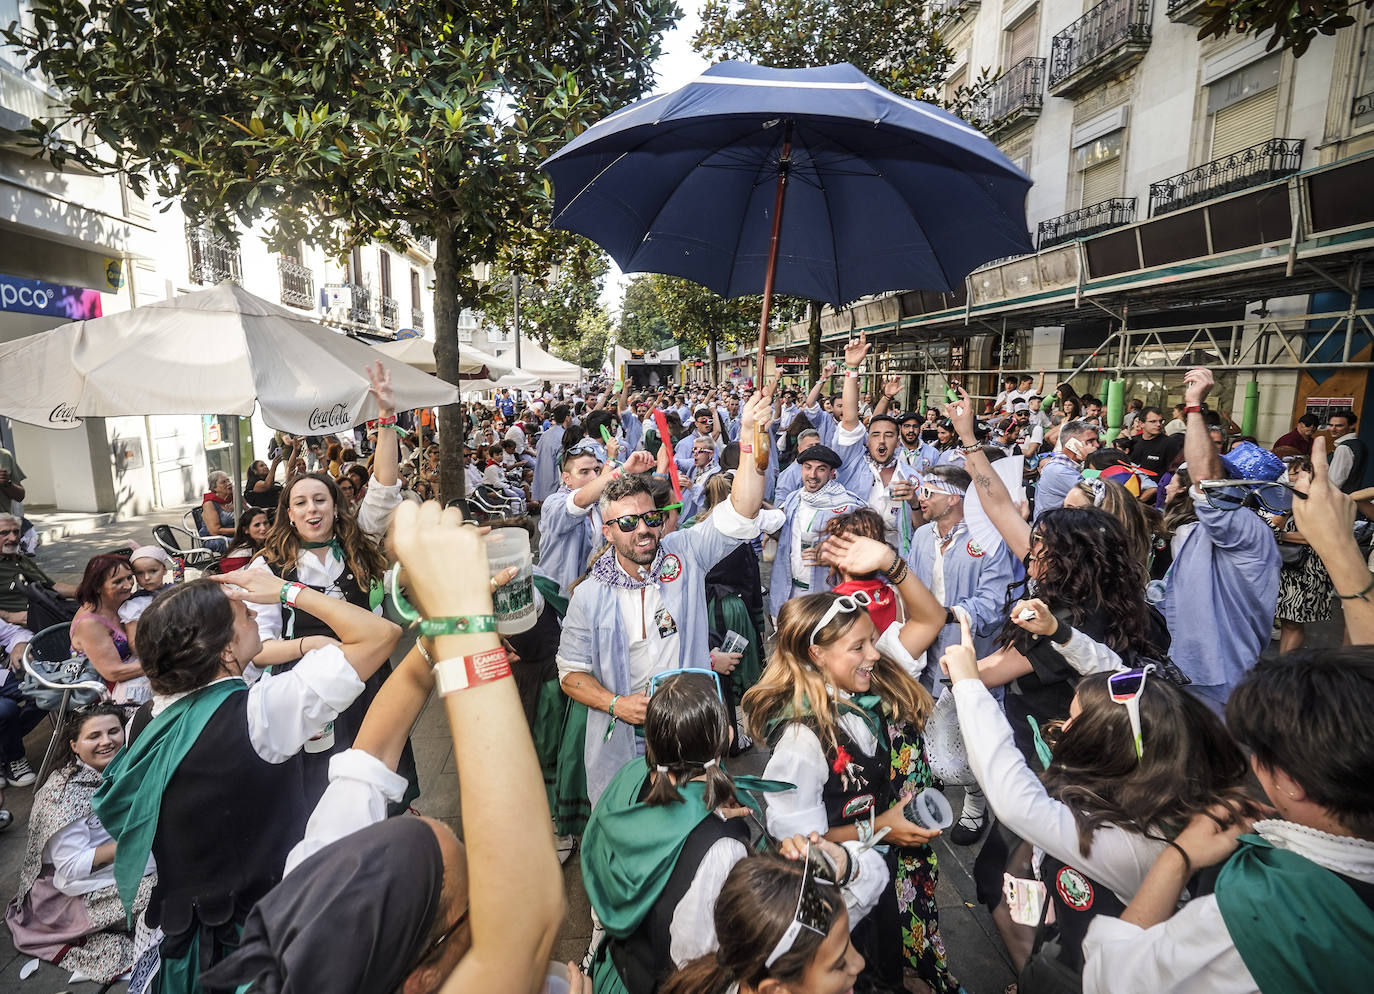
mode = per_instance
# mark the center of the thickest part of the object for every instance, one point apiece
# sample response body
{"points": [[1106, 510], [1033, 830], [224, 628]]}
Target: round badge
{"points": [[672, 568], [857, 805], [974, 549], [1074, 888]]}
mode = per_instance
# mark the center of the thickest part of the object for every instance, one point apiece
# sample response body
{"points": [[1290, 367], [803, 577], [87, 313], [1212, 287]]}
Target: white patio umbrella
{"points": [[535, 361], [218, 351], [473, 363]]}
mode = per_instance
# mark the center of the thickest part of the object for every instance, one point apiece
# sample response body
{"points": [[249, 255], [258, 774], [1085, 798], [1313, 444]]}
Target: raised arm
{"points": [[813, 396], [1198, 450], [1327, 520], [925, 616], [892, 386], [854, 354], [387, 459], [746, 493], [997, 502], [515, 890]]}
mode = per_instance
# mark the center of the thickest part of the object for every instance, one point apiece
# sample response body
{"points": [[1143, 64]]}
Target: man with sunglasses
{"points": [[705, 427], [641, 608], [1224, 581]]}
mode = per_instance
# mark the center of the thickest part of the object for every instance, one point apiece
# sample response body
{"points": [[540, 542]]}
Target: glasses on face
{"points": [[811, 914], [1126, 688], [433, 948], [629, 522], [658, 678], [1228, 495], [843, 604]]}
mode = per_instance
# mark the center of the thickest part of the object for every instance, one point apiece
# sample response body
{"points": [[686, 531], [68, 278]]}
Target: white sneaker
{"points": [[564, 845], [18, 773], [598, 937]]}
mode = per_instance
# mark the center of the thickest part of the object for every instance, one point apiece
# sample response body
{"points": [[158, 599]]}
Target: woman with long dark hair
{"points": [[1134, 761], [249, 538], [317, 540], [99, 635], [213, 782], [67, 910]]}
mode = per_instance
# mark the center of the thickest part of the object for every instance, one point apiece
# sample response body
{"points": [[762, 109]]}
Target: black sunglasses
{"points": [[629, 522], [438, 943]]}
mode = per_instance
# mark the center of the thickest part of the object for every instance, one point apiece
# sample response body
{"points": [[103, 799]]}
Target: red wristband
{"points": [[1193, 409], [462, 672], [746, 447], [389, 420]]}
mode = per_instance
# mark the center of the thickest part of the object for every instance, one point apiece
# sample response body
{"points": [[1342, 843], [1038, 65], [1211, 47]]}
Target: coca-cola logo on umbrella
{"points": [[334, 417], [62, 414]]}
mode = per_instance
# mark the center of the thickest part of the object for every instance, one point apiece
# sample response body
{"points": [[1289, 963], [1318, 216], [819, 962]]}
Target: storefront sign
{"points": [[21, 296]]}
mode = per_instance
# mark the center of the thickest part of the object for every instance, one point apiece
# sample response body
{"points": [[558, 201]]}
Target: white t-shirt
{"points": [[652, 632]]}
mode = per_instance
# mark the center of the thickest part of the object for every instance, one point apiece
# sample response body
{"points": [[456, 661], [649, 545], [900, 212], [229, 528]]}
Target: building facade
{"points": [[1194, 202]]}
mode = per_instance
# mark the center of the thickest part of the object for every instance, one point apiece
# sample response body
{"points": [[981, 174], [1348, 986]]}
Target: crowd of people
{"points": [[1027, 623]]}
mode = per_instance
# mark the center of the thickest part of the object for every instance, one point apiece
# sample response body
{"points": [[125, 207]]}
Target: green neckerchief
{"points": [[129, 800], [1297, 925], [376, 593], [867, 706], [548, 589], [629, 848]]}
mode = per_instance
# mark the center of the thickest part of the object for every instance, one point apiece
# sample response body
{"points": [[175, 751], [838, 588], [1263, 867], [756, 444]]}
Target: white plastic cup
{"points": [[734, 642], [930, 810], [514, 601]]}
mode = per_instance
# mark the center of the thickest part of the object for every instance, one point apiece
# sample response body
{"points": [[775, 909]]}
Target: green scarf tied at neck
{"points": [[1297, 925], [130, 798], [629, 848], [376, 593]]}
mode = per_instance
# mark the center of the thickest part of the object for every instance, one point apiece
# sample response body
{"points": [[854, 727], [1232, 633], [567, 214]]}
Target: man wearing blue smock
{"points": [[1223, 585], [546, 474], [1077, 441], [641, 609], [569, 523], [797, 569]]}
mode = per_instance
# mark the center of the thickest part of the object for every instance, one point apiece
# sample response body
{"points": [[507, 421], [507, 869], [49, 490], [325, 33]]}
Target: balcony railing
{"points": [[1189, 11], [360, 311], [1105, 39], [391, 312], [1274, 159], [417, 318], [1085, 221], [297, 284], [214, 258], [1017, 94]]}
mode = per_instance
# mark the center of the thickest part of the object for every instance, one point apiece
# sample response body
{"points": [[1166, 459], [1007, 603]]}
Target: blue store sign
{"points": [[21, 296]]}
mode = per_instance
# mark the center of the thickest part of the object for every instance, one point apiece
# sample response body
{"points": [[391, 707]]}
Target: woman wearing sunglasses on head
{"points": [[1136, 758], [842, 708], [666, 833]]}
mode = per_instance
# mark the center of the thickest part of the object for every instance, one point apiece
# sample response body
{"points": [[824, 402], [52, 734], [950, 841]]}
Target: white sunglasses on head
{"points": [[846, 604]]}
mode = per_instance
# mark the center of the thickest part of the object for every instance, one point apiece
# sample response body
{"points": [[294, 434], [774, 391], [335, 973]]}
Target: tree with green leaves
{"points": [[588, 347], [701, 319], [895, 42], [641, 322], [1290, 25], [551, 306], [347, 123]]}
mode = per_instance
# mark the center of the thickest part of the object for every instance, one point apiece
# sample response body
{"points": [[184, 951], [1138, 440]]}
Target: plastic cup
{"points": [[734, 642], [930, 810], [514, 601]]}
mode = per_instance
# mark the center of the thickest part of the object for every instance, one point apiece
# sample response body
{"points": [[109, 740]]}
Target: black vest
{"points": [[644, 959], [227, 821], [1077, 899], [1354, 481]]}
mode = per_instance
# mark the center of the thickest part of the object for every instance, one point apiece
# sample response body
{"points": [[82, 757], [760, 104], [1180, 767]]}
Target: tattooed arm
{"points": [[1004, 514]]}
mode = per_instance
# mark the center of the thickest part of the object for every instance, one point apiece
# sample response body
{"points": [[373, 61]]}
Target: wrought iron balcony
{"points": [[390, 313], [1274, 159], [297, 284], [417, 318], [1190, 11], [1085, 221], [214, 258], [1015, 97], [1107, 39]]}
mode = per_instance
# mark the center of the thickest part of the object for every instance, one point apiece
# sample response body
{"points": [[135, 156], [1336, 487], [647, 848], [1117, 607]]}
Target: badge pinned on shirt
{"points": [[667, 627], [857, 805], [974, 549], [672, 568], [1074, 888]]}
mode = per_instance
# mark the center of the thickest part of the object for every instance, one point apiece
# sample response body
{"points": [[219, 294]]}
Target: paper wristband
{"points": [[289, 593], [461, 672]]}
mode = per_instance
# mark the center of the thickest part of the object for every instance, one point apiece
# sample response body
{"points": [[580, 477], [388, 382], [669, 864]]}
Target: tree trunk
{"points": [[711, 352], [813, 342], [452, 426]]}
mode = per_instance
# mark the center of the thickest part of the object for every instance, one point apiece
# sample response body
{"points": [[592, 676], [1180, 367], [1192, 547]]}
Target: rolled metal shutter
{"points": [[1246, 123], [1102, 182]]}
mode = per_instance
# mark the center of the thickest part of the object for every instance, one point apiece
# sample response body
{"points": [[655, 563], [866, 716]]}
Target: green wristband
{"points": [[467, 624]]}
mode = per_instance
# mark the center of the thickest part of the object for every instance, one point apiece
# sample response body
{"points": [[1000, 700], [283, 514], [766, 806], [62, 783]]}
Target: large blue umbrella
{"points": [[881, 193]]}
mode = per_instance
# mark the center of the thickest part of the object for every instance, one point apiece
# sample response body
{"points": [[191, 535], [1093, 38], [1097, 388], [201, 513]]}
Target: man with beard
{"points": [[961, 574], [641, 608], [14, 565], [912, 450], [790, 477], [798, 570], [869, 456]]}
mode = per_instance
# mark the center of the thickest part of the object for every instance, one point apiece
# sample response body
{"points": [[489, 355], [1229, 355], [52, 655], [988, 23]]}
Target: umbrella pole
{"points": [[761, 441], [236, 449]]}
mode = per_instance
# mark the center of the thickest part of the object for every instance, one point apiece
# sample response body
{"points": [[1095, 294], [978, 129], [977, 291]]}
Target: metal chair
{"points": [[197, 554], [53, 644]]}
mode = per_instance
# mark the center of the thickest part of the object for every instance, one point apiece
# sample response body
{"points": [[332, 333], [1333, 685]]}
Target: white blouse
{"points": [[71, 851]]}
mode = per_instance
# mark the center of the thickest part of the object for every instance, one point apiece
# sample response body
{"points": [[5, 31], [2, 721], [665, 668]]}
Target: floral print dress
{"points": [[916, 871]]}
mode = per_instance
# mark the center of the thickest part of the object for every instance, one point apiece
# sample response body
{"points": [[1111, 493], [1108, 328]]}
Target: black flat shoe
{"points": [[967, 831]]}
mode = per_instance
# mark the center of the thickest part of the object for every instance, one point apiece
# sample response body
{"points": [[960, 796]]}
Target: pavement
{"points": [[975, 953]]}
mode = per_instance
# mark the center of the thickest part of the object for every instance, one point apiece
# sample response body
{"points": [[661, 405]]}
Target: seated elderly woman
{"points": [[217, 511], [67, 910], [98, 633]]}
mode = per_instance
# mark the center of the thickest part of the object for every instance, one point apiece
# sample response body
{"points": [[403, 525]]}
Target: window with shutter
{"points": [[1021, 40], [1246, 123], [1101, 182]]}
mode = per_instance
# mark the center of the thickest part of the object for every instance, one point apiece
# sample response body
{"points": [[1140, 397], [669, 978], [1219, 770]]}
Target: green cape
{"points": [[1297, 925], [629, 848], [130, 798]]}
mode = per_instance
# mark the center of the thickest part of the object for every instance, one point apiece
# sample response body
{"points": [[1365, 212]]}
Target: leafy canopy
{"points": [[1291, 25]]}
